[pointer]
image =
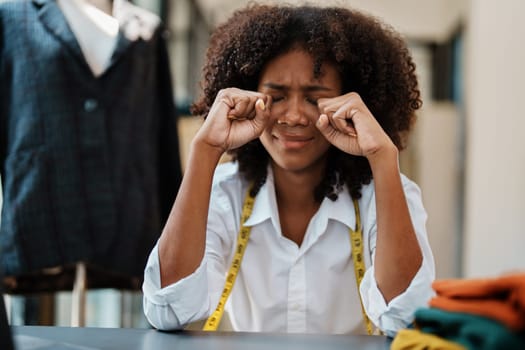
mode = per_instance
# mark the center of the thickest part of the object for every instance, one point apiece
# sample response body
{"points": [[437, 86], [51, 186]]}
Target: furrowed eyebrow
{"points": [[274, 86], [308, 88]]}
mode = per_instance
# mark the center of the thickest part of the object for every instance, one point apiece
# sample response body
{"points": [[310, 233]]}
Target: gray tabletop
{"points": [[65, 338]]}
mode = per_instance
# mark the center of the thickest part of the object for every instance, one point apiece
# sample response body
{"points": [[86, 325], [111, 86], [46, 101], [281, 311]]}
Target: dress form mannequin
{"points": [[88, 142]]}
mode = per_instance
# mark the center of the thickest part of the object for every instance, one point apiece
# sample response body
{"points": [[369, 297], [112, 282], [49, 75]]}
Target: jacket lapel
{"points": [[54, 21], [120, 48], [126, 14]]}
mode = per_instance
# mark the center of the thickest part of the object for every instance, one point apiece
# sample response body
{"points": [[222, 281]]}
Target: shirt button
{"points": [[90, 105]]}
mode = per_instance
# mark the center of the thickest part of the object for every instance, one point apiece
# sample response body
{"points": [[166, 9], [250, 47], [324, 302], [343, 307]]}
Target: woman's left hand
{"points": [[348, 124]]}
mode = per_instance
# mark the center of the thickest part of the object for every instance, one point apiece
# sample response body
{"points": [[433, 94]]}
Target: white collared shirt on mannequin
{"points": [[95, 28]]}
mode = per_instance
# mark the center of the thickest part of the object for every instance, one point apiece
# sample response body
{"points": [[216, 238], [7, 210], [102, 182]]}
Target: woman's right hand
{"points": [[235, 118]]}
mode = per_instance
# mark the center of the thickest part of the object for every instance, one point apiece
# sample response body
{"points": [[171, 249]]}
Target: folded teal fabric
{"points": [[473, 332]]}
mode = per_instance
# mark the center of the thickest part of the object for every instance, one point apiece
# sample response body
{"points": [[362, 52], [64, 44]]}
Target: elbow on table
{"points": [[161, 317]]}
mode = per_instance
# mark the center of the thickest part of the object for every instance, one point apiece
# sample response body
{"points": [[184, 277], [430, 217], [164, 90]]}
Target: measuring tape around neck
{"points": [[356, 241]]}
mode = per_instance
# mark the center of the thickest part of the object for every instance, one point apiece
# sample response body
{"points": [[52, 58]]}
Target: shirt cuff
{"points": [[184, 297], [399, 313]]}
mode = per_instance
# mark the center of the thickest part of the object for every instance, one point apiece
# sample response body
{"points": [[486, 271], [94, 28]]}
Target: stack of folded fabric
{"points": [[470, 314]]}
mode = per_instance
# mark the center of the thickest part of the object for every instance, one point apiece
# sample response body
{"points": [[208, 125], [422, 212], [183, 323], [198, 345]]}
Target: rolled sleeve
{"points": [[178, 304], [399, 312], [193, 298]]}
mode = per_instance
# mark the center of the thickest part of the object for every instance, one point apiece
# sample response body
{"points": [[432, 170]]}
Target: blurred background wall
{"points": [[494, 229]]}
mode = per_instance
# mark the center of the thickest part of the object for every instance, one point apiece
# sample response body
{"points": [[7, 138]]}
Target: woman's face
{"points": [[292, 139]]}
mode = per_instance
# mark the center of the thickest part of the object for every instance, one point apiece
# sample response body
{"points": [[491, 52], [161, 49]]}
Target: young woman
{"points": [[312, 220]]}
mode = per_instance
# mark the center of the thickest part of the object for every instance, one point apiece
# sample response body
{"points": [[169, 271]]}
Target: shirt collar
{"points": [[265, 207], [341, 210]]}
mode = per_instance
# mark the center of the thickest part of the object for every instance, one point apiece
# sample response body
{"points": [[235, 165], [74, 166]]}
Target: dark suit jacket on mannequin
{"points": [[90, 166]]}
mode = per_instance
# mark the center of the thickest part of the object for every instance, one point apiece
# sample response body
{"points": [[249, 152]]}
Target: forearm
{"points": [[183, 240], [398, 255]]}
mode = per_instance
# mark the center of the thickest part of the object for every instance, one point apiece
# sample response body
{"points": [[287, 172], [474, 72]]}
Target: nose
{"points": [[294, 115]]}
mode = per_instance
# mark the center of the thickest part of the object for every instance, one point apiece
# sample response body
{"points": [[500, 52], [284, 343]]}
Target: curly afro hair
{"points": [[372, 59]]}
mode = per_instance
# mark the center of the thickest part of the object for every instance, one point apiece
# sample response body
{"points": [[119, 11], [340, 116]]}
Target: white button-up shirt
{"points": [[282, 287]]}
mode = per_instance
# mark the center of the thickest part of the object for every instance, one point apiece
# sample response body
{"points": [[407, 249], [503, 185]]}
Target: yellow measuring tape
{"points": [[242, 240], [356, 239]]}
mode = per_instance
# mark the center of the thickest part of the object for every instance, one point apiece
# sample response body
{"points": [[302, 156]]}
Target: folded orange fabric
{"points": [[501, 298]]}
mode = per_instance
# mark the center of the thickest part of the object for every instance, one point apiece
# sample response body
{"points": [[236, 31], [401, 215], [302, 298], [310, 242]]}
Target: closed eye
{"points": [[312, 101]]}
